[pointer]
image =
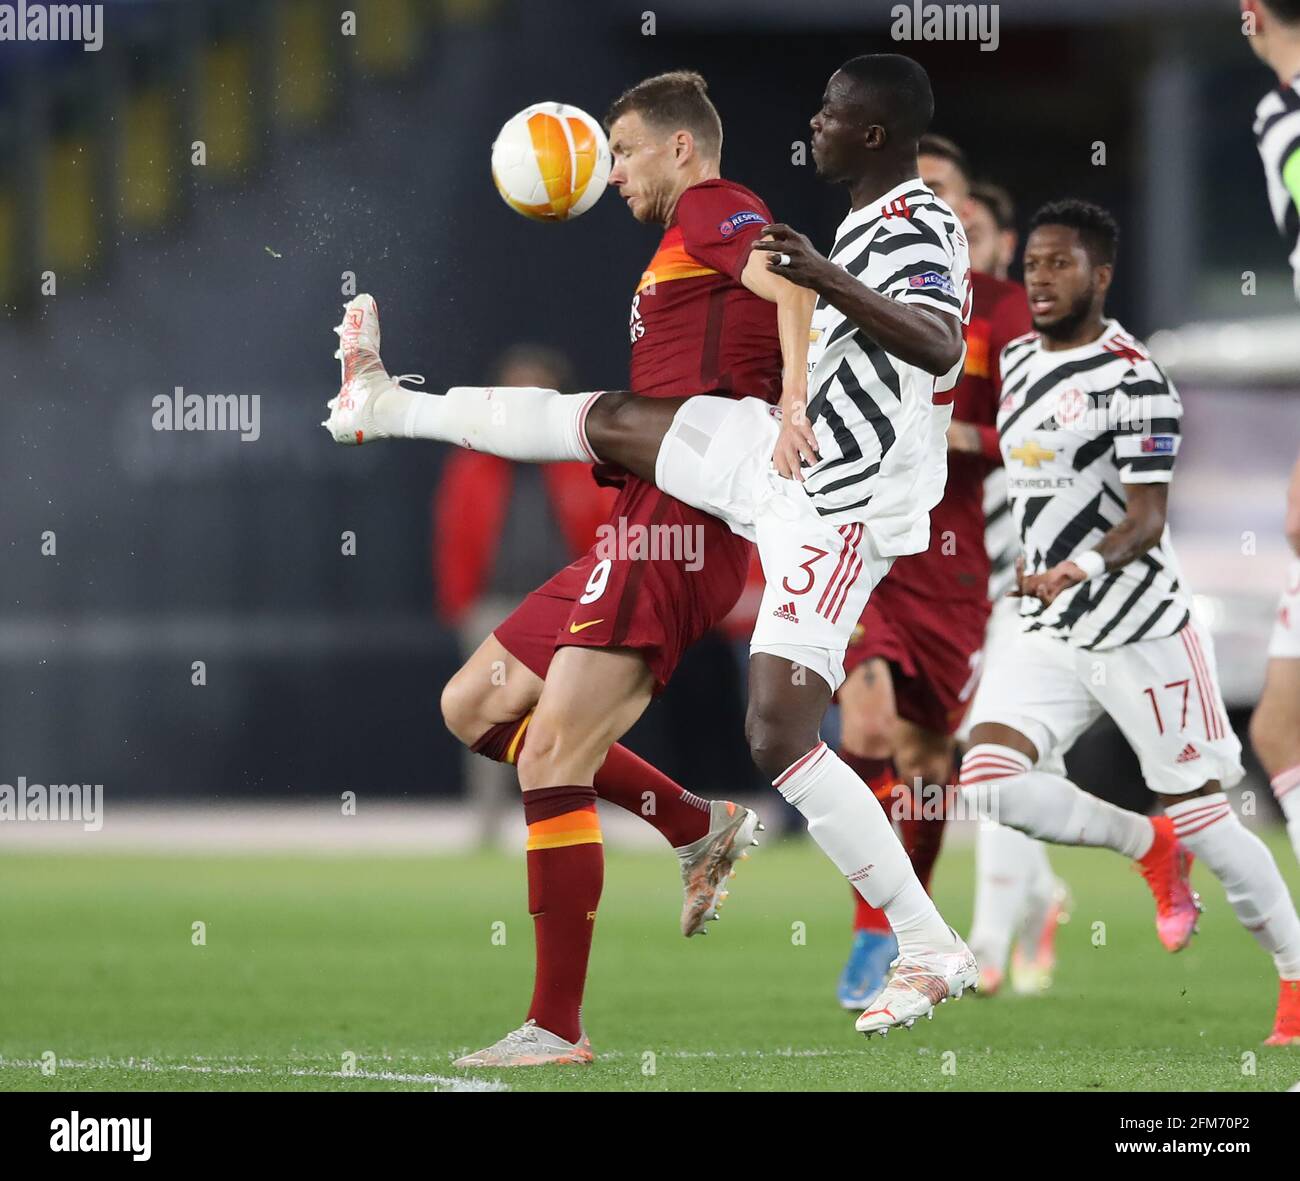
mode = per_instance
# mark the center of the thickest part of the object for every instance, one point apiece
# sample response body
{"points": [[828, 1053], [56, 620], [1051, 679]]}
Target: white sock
{"points": [[1048, 806], [1286, 788], [1256, 892], [1002, 886], [1041, 893], [523, 423], [854, 832]]}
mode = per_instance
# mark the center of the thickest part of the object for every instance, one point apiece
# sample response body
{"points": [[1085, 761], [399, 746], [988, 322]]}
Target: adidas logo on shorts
{"points": [[1189, 752], [787, 613]]}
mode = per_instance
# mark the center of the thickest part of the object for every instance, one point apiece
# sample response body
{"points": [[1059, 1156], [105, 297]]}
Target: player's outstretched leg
{"points": [[999, 769], [786, 705], [526, 424]]}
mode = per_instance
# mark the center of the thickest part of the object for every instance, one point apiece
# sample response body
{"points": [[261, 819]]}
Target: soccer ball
{"points": [[550, 162]]}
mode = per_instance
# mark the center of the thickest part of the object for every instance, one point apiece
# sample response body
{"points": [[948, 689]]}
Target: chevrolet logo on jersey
{"points": [[1031, 454]]}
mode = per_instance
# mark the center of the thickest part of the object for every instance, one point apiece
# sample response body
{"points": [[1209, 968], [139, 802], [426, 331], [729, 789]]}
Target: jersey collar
{"points": [[871, 210], [1110, 327]]}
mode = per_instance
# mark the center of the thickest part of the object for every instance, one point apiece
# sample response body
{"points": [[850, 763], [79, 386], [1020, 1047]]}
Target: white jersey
{"points": [[1277, 135], [1000, 540], [1075, 426], [880, 423]]}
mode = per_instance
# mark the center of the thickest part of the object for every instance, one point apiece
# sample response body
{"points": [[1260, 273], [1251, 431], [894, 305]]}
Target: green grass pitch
{"points": [[397, 962]]}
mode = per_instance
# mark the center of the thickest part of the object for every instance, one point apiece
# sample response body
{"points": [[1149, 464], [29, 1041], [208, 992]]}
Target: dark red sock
{"points": [[923, 839], [878, 775], [566, 870], [623, 779], [502, 743], [923, 836], [630, 782]]}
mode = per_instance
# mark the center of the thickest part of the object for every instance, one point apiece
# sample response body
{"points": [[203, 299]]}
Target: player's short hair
{"points": [[1097, 230], [997, 201], [1287, 11], [941, 147], [675, 101], [896, 87]]}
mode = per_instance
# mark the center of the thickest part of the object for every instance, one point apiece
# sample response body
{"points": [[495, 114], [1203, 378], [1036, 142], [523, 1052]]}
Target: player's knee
{"points": [[775, 740], [471, 702], [930, 766], [870, 735], [462, 708], [612, 422], [554, 754]]}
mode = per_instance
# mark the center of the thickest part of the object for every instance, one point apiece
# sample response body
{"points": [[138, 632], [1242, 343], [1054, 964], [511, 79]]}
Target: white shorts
{"points": [[1003, 628], [1162, 694], [717, 457], [1285, 641]]}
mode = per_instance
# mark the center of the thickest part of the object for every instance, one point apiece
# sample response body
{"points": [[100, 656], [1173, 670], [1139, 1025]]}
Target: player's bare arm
{"points": [[930, 340], [796, 444], [1140, 530], [964, 438]]}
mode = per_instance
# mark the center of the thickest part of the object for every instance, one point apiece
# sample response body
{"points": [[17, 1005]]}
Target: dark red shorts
{"points": [[933, 648], [660, 575]]}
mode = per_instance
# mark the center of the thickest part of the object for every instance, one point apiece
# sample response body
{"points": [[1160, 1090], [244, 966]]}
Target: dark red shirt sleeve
{"points": [[719, 225], [1010, 319], [989, 446]]}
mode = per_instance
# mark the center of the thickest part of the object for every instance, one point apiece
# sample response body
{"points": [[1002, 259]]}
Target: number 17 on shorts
{"points": [[818, 579]]}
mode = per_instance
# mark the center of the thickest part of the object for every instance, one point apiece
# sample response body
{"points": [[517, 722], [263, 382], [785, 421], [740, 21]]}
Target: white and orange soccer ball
{"points": [[551, 162]]}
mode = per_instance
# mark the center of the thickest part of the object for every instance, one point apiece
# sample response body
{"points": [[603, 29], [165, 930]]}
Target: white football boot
{"points": [[708, 863], [364, 379], [918, 983], [531, 1045]]}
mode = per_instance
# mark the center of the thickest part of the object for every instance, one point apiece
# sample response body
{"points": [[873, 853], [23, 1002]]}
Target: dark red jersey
{"points": [[957, 564], [695, 327]]}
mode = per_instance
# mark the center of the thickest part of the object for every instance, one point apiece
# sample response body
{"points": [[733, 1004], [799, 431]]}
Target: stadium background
{"points": [[368, 154]]}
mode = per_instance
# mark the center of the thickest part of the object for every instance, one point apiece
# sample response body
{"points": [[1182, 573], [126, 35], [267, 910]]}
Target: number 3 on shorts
{"points": [[806, 567], [597, 582]]}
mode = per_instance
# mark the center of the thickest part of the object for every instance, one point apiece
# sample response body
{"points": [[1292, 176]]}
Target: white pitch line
{"points": [[446, 1082], [234, 1066]]}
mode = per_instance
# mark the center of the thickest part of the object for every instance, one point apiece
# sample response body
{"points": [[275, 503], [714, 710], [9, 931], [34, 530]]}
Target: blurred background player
{"points": [[584, 654], [1275, 726], [990, 221], [500, 529], [912, 664], [1089, 428]]}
